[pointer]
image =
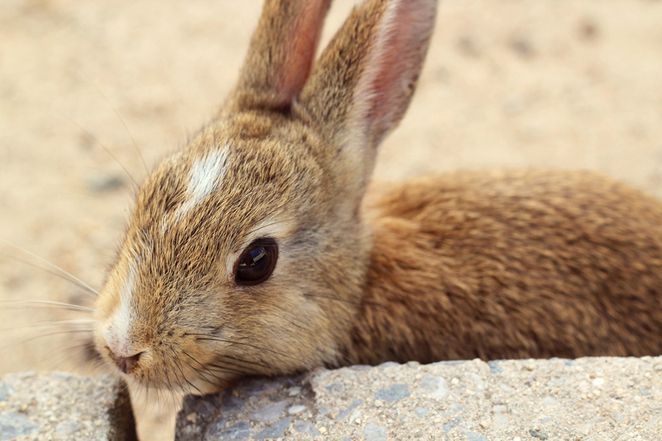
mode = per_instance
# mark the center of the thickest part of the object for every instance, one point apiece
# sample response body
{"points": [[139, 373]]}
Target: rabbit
{"points": [[263, 248]]}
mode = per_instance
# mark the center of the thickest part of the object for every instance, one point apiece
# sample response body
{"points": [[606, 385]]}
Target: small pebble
{"points": [[537, 433], [495, 366], [393, 393], [529, 365], [521, 46], [105, 183], [192, 417], [270, 412], [500, 408], [356, 416], [588, 29], [434, 387], [297, 408], [467, 46], [374, 432], [389, 364]]}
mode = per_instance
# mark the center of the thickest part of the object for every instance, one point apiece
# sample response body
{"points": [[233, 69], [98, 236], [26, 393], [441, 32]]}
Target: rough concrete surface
{"points": [[584, 399], [62, 406]]}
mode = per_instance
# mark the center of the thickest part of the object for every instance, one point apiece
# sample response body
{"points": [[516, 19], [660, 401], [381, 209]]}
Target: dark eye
{"points": [[257, 262]]}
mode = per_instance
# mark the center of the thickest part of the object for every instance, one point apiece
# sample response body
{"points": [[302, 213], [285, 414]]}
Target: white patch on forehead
{"points": [[205, 175], [117, 333]]}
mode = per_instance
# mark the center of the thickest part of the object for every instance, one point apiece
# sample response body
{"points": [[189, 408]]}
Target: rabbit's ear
{"points": [[280, 54], [363, 83]]}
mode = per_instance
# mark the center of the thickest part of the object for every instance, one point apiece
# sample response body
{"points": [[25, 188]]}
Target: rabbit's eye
{"points": [[257, 262]]}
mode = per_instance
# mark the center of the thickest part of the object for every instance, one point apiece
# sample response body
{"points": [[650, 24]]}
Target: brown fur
{"points": [[510, 264]]}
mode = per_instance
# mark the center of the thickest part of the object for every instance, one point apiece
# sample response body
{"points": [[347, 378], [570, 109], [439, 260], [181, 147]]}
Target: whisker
{"points": [[242, 343], [243, 365], [58, 324], [53, 266], [46, 304], [167, 374], [53, 273], [108, 151], [180, 380], [126, 127], [238, 360], [10, 346], [296, 324], [179, 366], [146, 389], [227, 356], [68, 322], [199, 364], [96, 365], [230, 370], [57, 332], [223, 376], [66, 353]]}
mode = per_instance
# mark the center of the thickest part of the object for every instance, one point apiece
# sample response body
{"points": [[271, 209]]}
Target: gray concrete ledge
{"points": [[584, 399], [61, 406]]}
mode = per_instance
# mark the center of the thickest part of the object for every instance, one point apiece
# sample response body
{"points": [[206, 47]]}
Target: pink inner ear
{"points": [[302, 42], [394, 64]]}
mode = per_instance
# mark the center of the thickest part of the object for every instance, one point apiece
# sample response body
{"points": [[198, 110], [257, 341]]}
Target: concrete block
{"points": [[60, 406], [588, 399]]}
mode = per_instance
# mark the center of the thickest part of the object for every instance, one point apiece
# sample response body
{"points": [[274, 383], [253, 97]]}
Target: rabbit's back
{"points": [[512, 264]]}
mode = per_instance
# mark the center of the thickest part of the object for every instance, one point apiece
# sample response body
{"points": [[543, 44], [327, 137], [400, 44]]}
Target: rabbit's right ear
{"points": [[363, 83], [280, 54]]}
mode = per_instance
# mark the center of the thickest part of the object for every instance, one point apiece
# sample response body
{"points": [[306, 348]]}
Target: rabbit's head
{"points": [[245, 252]]}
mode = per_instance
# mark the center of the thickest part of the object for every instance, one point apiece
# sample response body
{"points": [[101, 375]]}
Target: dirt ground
{"points": [[508, 83]]}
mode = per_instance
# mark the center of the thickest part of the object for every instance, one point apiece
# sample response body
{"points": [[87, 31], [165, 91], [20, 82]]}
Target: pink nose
{"points": [[125, 364]]}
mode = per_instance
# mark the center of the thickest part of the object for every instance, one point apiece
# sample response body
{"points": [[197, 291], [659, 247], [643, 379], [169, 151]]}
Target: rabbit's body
{"points": [[252, 251], [511, 264]]}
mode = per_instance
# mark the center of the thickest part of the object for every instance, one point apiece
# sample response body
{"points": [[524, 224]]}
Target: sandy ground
{"points": [[553, 83]]}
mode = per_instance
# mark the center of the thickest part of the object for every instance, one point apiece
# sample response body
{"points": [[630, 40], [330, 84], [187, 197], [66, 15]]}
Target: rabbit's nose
{"points": [[126, 364]]}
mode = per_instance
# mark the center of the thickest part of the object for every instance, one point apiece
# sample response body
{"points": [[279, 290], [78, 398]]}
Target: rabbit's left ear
{"points": [[280, 54], [363, 83]]}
